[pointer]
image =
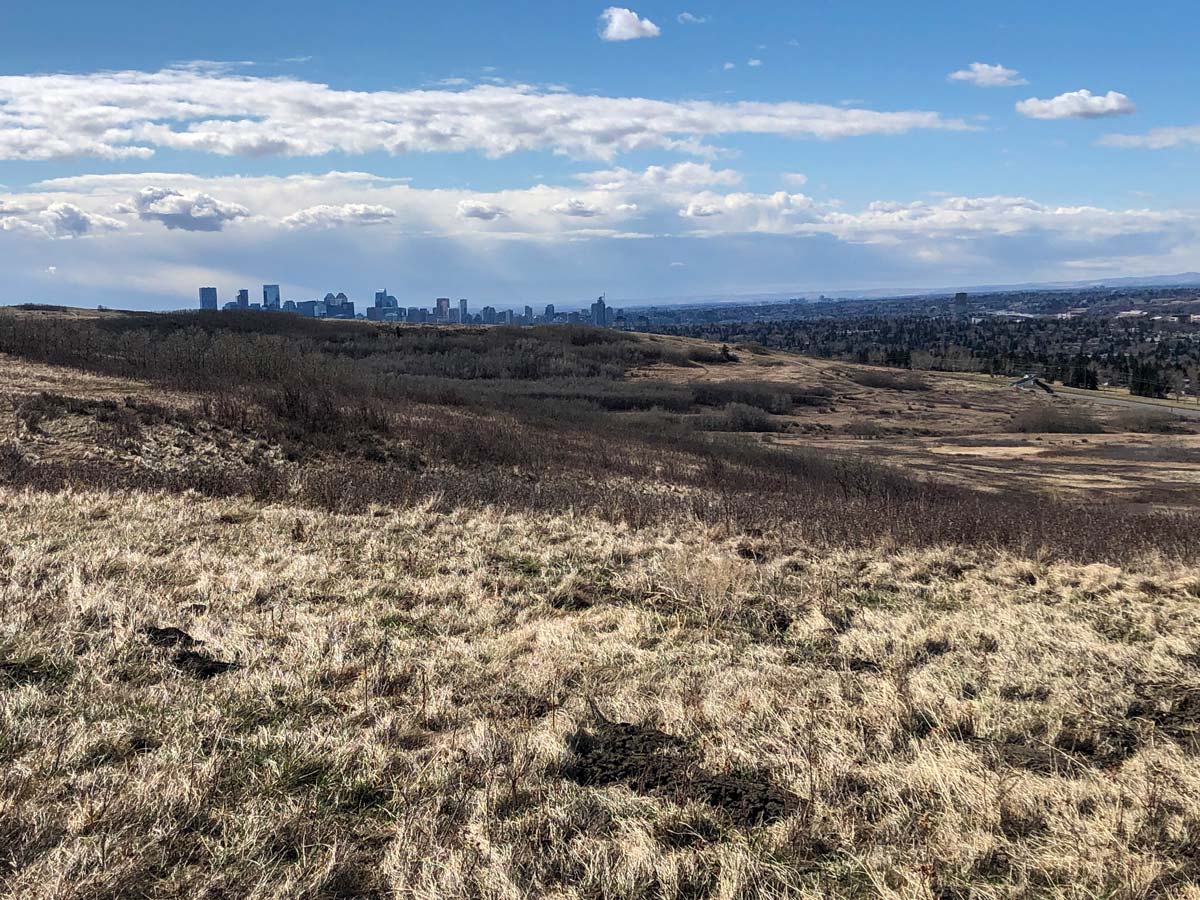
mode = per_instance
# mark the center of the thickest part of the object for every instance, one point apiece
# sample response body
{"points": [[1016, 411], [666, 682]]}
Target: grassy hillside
{"points": [[509, 630]]}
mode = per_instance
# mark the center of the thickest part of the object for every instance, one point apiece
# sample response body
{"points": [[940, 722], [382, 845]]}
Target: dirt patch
{"points": [[650, 761], [1073, 750], [34, 670], [169, 637], [1173, 708], [200, 665]]}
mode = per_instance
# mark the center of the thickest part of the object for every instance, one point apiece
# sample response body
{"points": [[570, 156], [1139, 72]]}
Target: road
{"points": [[1105, 399]]}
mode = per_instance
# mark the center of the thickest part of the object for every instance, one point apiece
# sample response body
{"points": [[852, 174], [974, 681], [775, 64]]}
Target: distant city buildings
{"points": [[386, 308], [600, 312]]}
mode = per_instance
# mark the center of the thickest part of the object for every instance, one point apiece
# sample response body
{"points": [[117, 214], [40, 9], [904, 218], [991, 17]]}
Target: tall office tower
{"points": [[463, 316], [599, 313], [208, 298], [243, 299], [443, 309], [270, 296], [549, 312], [414, 315], [528, 315], [381, 297], [488, 315]]}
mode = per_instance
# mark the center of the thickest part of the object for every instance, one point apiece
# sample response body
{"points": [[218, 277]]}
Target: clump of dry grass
{"points": [[484, 704]]}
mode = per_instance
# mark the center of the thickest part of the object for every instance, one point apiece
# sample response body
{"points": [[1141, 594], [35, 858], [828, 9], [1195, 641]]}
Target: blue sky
{"points": [[547, 152]]}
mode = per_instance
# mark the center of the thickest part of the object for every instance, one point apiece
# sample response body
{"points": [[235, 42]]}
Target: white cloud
{"points": [[546, 229], [622, 24], [346, 214], [698, 210], [68, 220], [1082, 104], [729, 66], [478, 209], [687, 175], [1156, 138], [686, 200], [795, 179], [132, 114], [984, 75], [185, 210], [754, 63], [573, 206], [687, 18]]}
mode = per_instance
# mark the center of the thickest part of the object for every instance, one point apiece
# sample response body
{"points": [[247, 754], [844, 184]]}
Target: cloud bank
{"points": [[131, 115]]}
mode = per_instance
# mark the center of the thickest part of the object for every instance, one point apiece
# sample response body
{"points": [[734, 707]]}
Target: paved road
{"points": [[1171, 409]]}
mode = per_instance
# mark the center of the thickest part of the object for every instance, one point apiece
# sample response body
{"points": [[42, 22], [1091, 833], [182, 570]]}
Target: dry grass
{"points": [[421, 704], [736, 679]]}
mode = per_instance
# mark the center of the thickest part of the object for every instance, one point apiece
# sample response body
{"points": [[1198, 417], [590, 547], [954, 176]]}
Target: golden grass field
{"points": [[221, 698]]}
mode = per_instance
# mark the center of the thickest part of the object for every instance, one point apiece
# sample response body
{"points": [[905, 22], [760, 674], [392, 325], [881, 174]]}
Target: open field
{"points": [[962, 430], [415, 702], [423, 613]]}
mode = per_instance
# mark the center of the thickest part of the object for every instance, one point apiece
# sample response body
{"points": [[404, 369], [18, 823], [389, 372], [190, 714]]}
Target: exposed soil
{"points": [[650, 761]]}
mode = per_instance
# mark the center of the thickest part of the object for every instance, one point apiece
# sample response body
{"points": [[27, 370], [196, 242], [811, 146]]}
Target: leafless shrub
{"points": [[1043, 418]]}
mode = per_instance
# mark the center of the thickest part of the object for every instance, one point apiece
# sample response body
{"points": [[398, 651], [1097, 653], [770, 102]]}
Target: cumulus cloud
{"points": [[1156, 138], [796, 179], [984, 75], [687, 18], [620, 24], [573, 206], [729, 66], [688, 199], [132, 114], [68, 220], [682, 175], [754, 63], [326, 216], [548, 228], [479, 209], [184, 210], [1082, 104]]}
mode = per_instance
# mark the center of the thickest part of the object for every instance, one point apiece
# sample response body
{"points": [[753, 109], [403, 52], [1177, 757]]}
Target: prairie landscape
{"points": [[338, 610]]}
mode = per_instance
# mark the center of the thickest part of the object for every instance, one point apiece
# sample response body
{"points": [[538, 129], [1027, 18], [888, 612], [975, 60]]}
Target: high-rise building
{"points": [[443, 309], [463, 315], [414, 315], [270, 296], [488, 314], [243, 299], [549, 312], [528, 315], [599, 312], [208, 298]]}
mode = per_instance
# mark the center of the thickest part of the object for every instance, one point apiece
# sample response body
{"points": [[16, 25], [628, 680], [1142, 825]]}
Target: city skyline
{"points": [[387, 308], [664, 151]]}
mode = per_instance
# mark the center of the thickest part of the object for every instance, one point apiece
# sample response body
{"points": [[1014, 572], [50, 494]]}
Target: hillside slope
{"points": [[583, 616]]}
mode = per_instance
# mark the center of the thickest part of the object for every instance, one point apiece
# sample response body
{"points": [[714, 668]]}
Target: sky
{"points": [[548, 152]]}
